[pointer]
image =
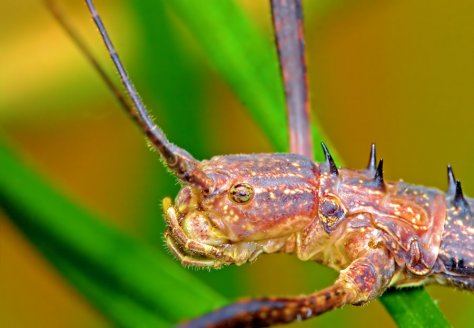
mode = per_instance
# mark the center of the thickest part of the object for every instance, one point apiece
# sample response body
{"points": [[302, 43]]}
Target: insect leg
{"points": [[178, 160], [263, 312], [183, 165], [58, 15], [288, 25], [365, 279]]}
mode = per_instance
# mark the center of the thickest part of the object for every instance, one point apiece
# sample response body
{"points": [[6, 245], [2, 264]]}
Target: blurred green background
{"points": [[400, 74]]}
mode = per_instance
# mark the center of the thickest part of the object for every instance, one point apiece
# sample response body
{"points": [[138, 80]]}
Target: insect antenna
{"points": [[179, 161]]}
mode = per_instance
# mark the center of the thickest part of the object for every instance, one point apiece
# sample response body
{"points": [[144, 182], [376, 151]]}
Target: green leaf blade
{"points": [[100, 253], [413, 307]]}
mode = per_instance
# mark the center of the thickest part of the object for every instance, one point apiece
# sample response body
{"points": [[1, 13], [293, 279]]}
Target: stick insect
{"points": [[233, 208]]}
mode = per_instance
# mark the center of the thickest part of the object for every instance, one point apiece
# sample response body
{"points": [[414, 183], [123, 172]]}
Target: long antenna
{"points": [[178, 160]]}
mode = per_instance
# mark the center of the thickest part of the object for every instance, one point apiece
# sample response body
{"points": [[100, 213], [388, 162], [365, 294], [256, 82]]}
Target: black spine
{"points": [[329, 161]]}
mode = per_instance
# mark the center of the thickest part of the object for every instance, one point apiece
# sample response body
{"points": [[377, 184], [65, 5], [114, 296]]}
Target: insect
{"points": [[376, 233]]}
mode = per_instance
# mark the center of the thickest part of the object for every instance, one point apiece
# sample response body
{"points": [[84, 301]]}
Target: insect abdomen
{"points": [[457, 246]]}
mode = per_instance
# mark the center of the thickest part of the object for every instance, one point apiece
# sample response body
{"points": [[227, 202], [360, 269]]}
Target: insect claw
{"points": [[330, 161], [451, 182], [459, 200], [372, 159]]}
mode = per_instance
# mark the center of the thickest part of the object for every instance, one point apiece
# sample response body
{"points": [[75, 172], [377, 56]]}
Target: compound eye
{"points": [[329, 208], [330, 212], [241, 193]]}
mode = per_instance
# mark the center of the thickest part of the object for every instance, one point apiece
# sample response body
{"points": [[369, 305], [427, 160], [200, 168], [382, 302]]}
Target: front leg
{"points": [[368, 276], [289, 36], [365, 279]]}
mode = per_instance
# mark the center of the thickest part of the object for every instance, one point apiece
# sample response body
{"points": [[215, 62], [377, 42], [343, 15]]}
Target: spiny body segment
{"points": [[376, 233]]}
